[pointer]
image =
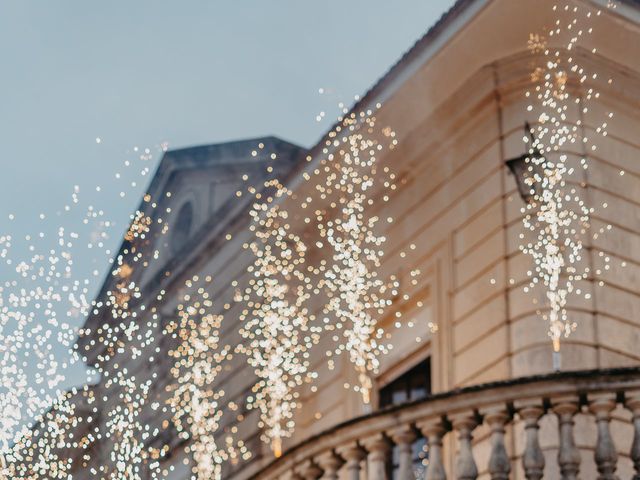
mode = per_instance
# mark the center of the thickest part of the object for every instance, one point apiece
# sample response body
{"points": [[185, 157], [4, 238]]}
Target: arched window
{"points": [[182, 227]]}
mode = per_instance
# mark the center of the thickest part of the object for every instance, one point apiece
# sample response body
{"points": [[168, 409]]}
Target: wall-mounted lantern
{"points": [[528, 173]]}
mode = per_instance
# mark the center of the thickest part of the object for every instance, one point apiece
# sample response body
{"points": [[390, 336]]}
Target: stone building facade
{"points": [[457, 102]]}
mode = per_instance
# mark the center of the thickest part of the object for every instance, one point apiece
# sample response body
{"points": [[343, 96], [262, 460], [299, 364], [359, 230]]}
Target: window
{"points": [[412, 385], [182, 227]]}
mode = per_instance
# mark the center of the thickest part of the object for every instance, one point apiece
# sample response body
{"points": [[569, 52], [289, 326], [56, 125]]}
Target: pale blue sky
{"points": [[197, 71], [137, 73]]}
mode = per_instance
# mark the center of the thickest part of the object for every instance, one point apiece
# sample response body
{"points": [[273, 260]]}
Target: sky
{"points": [[87, 88], [200, 71]]}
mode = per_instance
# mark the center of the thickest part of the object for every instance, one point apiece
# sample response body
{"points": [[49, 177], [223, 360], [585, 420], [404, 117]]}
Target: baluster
{"points": [[499, 463], [633, 404], [378, 447], [532, 458], [404, 437], [433, 431], [605, 455], [568, 453], [464, 424], [309, 471], [330, 463], [354, 455]]}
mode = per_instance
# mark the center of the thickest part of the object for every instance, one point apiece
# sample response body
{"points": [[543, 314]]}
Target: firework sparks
{"points": [[277, 326], [557, 215]]}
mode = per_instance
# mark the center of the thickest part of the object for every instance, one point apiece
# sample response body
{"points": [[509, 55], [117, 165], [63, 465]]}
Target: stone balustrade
{"points": [[361, 448]]}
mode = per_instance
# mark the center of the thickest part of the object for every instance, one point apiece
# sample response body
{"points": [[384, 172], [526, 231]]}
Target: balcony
{"points": [[559, 425]]}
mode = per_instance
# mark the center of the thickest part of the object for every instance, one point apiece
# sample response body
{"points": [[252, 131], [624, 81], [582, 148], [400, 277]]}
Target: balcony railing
{"points": [[360, 448]]}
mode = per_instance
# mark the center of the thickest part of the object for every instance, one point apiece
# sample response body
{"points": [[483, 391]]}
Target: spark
{"points": [[277, 325], [557, 215]]}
